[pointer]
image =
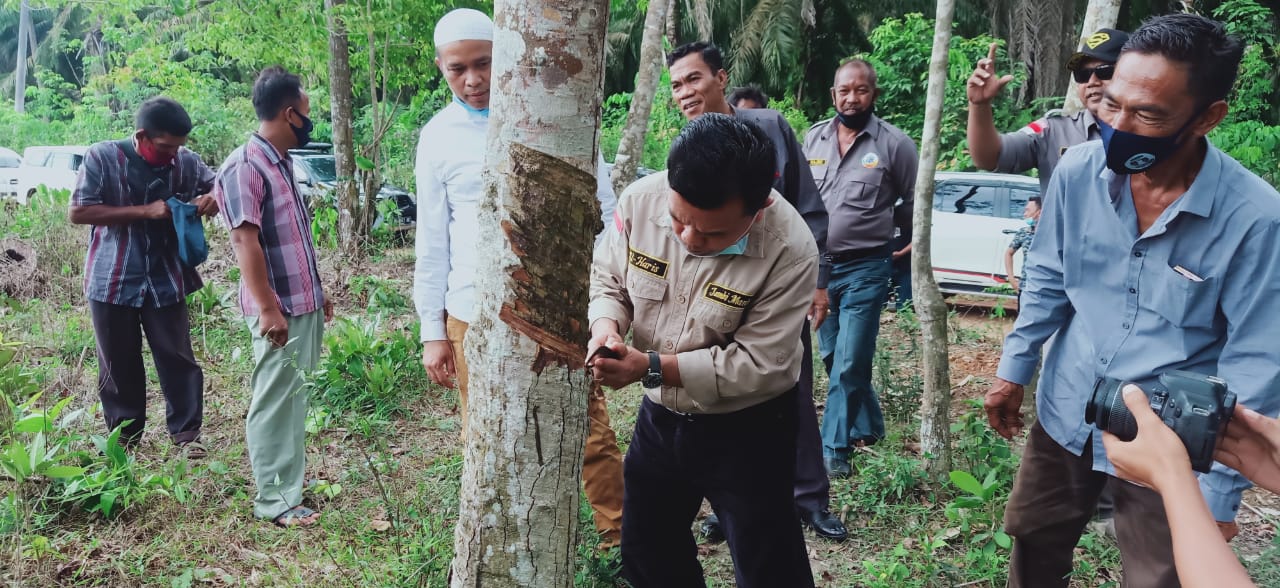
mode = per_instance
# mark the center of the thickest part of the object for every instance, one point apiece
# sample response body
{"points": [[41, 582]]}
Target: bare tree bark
{"points": [[935, 422], [631, 147], [1100, 14], [518, 513], [350, 226], [20, 71]]}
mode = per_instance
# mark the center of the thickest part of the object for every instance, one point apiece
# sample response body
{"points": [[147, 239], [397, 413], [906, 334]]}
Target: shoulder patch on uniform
{"points": [[649, 264], [1056, 112], [726, 297], [1035, 127], [617, 221], [813, 162]]}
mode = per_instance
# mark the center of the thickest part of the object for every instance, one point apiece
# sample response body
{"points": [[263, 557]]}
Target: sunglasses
{"points": [[1104, 73]]}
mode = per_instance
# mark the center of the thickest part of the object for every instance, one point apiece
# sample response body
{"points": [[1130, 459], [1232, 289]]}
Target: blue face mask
{"points": [[470, 108], [1031, 222], [738, 248], [1131, 153]]}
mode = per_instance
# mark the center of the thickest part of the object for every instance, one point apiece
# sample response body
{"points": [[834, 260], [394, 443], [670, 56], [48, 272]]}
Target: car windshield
{"points": [[9, 160], [321, 168]]}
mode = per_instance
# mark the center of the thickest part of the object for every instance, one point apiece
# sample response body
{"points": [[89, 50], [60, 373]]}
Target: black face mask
{"points": [[858, 121], [1131, 153], [303, 133]]}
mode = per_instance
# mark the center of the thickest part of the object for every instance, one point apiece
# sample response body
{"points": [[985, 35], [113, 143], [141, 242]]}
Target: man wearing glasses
{"points": [[1042, 142]]}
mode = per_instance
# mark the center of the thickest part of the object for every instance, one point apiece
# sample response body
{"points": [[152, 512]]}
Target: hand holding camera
{"points": [[1251, 446], [1195, 407]]}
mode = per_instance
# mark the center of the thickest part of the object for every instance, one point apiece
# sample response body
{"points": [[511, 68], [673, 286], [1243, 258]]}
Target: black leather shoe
{"points": [[711, 530], [837, 468], [824, 524]]}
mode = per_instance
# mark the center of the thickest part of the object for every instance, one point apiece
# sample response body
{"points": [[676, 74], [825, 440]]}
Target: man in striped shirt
{"points": [[133, 276], [280, 291]]}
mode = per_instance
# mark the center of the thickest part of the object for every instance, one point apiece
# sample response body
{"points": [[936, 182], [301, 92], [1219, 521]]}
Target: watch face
{"points": [[651, 380]]}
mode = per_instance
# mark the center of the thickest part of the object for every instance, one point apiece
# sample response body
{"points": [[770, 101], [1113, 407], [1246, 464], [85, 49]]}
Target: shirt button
{"points": [[1103, 360], [726, 324], [1137, 254], [1124, 326], [680, 299], [668, 345], [1133, 291]]}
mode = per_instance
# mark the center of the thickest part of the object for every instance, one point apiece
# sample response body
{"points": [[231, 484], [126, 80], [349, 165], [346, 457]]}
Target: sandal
{"points": [[193, 450], [298, 516]]}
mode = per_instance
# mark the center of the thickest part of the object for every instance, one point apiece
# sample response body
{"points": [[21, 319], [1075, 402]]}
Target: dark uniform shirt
{"points": [[860, 189], [793, 179], [1042, 142]]}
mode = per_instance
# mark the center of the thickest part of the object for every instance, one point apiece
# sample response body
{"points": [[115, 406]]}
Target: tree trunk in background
{"points": [[518, 511], [350, 225], [1100, 14], [20, 70], [631, 147], [673, 24], [935, 422]]}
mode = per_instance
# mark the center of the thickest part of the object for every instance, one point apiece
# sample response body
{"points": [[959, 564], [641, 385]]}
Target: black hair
{"points": [[717, 158], [1038, 200], [1211, 54], [751, 92], [275, 90], [162, 116], [710, 54], [860, 62]]}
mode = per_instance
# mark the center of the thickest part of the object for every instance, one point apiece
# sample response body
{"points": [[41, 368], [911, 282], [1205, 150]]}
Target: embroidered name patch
{"points": [[816, 162], [726, 297], [648, 263]]}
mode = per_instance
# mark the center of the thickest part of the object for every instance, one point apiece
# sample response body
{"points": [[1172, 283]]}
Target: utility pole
{"points": [[20, 72]]}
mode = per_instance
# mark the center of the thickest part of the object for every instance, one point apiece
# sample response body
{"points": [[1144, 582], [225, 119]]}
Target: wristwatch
{"points": [[653, 378]]}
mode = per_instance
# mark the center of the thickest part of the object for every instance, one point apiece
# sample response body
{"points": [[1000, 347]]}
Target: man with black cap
{"points": [[1042, 142]]}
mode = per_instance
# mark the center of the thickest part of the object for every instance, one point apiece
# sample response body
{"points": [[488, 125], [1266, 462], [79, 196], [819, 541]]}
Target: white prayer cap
{"points": [[463, 24]]}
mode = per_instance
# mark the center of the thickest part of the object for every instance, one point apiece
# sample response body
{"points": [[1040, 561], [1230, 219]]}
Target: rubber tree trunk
{"points": [[518, 511], [20, 70], [631, 147], [350, 227], [935, 421], [1100, 14]]}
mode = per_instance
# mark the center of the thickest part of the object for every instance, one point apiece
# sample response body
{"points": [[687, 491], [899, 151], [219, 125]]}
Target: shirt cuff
{"points": [[1223, 502], [698, 374], [434, 330], [1014, 370], [610, 309]]}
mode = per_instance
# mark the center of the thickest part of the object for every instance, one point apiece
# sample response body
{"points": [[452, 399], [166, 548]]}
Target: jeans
{"points": [[858, 290], [902, 282]]}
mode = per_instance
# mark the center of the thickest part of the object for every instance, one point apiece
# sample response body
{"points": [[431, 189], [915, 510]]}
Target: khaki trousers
{"points": [[601, 463]]}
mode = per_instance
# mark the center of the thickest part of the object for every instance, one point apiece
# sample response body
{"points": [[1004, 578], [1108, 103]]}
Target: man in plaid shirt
{"points": [[280, 291], [133, 276]]}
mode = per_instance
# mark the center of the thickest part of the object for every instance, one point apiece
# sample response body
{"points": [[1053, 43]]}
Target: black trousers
{"points": [[812, 487], [744, 464], [122, 379]]}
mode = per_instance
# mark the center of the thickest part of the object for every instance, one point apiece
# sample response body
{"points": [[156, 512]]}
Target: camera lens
{"points": [[1107, 410]]}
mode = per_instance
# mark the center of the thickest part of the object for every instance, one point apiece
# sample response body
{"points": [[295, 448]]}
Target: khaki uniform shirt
{"points": [[860, 189], [1041, 143], [732, 321]]}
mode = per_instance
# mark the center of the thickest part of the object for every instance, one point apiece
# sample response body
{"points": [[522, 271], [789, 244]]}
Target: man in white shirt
{"points": [[450, 158]]}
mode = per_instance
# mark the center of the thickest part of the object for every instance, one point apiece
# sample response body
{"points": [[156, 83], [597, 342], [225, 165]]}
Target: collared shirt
{"points": [[1042, 142], [1198, 291], [131, 264], [861, 187], [733, 321], [450, 159], [794, 180], [255, 186]]}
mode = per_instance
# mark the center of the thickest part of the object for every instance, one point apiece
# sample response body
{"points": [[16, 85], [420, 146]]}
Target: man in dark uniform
{"points": [[698, 83], [865, 169], [1041, 143], [711, 272]]}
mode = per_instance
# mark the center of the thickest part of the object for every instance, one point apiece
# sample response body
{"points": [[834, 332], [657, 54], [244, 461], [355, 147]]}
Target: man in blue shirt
{"points": [[1155, 251]]}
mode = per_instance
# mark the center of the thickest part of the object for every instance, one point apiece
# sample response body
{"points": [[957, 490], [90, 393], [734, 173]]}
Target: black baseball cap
{"points": [[1104, 45]]}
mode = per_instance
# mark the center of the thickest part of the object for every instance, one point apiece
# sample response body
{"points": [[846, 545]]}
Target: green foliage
{"points": [[379, 294], [1254, 144], [902, 46], [368, 370]]}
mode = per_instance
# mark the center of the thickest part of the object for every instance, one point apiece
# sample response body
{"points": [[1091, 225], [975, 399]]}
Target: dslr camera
{"points": [[1197, 407]]}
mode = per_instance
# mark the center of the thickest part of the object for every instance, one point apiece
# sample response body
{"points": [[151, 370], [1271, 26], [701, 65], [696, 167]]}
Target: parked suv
{"points": [[53, 167], [974, 217], [315, 171]]}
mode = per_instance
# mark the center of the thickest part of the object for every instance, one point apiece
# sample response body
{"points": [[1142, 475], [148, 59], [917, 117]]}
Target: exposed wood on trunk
{"points": [[350, 226], [935, 426], [518, 511]]}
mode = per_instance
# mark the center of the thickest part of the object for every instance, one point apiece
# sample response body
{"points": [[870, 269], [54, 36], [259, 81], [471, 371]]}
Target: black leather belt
{"points": [[856, 254]]}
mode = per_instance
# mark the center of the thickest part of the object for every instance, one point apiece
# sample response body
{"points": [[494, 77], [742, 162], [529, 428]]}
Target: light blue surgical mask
{"points": [[480, 111], [1031, 222], [738, 248]]}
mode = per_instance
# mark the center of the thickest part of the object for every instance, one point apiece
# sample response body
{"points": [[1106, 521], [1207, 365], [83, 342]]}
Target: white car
{"points": [[9, 162], [53, 167], [974, 217]]}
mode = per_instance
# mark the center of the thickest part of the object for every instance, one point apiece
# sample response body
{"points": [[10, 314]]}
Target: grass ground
{"points": [[385, 444]]}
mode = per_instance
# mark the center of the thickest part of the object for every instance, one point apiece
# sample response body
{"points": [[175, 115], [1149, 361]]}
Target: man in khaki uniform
{"points": [[865, 169], [1042, 142], [712, 272]]}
